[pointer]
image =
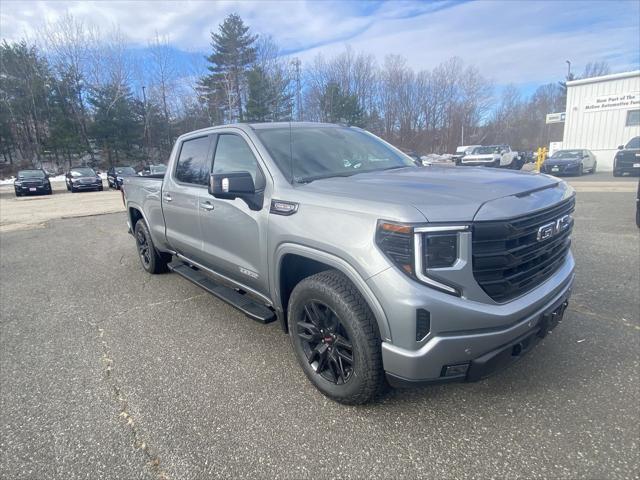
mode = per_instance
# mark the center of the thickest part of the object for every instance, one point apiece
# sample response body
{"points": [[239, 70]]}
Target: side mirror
{"points": [[620, 147], [234, 185]]}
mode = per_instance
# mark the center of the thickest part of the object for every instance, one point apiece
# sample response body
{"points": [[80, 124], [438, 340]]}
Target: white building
{"points": [[602, 113]]}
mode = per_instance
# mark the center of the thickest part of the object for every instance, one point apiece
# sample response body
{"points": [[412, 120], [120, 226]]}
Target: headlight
{"points": [[17, 182], [417, 250]]}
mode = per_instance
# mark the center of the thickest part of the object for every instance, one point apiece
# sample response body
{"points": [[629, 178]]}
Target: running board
{"points": [[254, 310]]}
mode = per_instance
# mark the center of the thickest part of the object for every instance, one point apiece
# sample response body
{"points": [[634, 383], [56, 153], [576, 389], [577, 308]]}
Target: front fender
{"points": [[340, 265]]}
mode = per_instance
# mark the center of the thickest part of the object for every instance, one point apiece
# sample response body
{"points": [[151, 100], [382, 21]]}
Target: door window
{"points": [[192, 162], [234, 155]]}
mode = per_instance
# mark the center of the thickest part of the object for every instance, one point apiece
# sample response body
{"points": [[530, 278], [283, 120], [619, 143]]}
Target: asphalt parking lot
{"points": [[107, 372]]}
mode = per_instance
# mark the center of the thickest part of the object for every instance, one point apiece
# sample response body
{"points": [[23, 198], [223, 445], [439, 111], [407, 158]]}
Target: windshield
{"points": [[634, 143], [485, 150], [30, 174], [322, 152], [567, 154], [125, 171], [83, 172]]}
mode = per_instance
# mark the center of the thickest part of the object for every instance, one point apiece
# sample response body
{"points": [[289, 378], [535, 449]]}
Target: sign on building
{"points": [[555, 117], [613, 102]]}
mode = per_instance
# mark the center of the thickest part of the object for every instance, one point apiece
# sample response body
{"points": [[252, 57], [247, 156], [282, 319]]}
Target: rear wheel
{"points": [[335, 338], [152, 261]]}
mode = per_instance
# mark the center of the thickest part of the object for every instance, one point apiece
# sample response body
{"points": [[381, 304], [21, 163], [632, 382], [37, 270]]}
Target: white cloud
{"points": [[519, 42]]}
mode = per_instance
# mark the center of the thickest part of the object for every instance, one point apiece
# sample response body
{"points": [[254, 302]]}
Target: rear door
{"points": [[181, 196], [233, 234]]}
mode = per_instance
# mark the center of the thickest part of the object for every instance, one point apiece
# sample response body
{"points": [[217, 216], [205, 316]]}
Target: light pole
{"points": [[568, 69], [296, 64], [145, 133]]}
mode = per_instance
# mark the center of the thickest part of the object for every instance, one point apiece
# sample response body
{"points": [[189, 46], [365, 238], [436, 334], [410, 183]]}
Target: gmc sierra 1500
{"points": [[374, 266]]}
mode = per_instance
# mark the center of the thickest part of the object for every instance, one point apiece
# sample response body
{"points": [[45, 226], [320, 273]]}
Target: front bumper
{"points": [[86, 186], [627, 166], [29, 188], [481, 163], [560, 169], [498, 358], [462, 331]]}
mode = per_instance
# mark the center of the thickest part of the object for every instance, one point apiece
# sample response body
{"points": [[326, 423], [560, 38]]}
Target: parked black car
{"points": [[83, 178], [116, 174], [32, 181], [570, 162], [627, 160]]}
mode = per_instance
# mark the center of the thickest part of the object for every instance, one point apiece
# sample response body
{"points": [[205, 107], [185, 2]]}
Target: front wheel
{"points": [[335, 338], [593, 169], [152, 261]]}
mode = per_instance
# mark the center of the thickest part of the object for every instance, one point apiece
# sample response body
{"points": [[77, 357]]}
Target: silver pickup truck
{"points": [[379, 270]]}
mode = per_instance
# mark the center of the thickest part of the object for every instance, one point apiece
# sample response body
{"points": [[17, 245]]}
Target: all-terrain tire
{"points": [[152, 261], [332, 289]]}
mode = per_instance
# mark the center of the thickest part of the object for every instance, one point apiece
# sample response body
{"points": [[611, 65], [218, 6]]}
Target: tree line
{"points": [[76, 95]]}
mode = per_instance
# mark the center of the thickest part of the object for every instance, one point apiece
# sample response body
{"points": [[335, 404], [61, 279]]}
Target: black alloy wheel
{"points": [[335, 338], [325, 342], [152, 261], [143, 247]]}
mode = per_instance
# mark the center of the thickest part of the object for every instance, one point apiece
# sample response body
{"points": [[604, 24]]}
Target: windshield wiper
{"points": [[320, 177], [346, 174], [396, 167]]}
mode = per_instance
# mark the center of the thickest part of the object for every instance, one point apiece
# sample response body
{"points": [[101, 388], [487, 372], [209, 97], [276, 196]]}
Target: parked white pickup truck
{"points": [[493, 156]]}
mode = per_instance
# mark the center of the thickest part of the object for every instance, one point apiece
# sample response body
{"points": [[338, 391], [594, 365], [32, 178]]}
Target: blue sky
{"points": [[521, 42]]}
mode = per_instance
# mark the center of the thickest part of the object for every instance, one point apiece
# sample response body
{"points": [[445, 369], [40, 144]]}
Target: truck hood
{"points": [[447, 194]]}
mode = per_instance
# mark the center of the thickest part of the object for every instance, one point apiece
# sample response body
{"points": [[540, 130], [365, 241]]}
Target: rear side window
{"points": [[192, 162], [234, 155]]}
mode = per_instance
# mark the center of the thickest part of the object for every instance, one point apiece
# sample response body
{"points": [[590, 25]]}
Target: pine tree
{"points": [[233, 53], [269, 97], [339, 107], [118, 124]]}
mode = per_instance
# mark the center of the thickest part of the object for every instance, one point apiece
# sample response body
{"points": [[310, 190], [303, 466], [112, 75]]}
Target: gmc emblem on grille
{"points": [[549, 230]]}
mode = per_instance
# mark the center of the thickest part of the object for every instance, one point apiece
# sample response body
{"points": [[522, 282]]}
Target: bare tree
{"points": [[68, 42], [596, 69]]}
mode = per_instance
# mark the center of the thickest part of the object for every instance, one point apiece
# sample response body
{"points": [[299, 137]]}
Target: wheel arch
{"points": [[134, 213], [294, 263]]}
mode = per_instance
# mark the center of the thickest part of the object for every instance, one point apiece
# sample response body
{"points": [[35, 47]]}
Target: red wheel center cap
{"points": [[328, 339]]}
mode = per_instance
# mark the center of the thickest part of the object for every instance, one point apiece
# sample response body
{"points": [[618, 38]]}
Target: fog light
{"points": [[455, 370]]}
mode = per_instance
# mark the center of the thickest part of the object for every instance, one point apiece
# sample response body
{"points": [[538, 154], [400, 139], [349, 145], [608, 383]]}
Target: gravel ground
{"points": [[107, 372]]}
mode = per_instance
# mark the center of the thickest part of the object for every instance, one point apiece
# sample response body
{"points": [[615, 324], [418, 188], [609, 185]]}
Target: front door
{"points": [[234, 236], [181, 195]]}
